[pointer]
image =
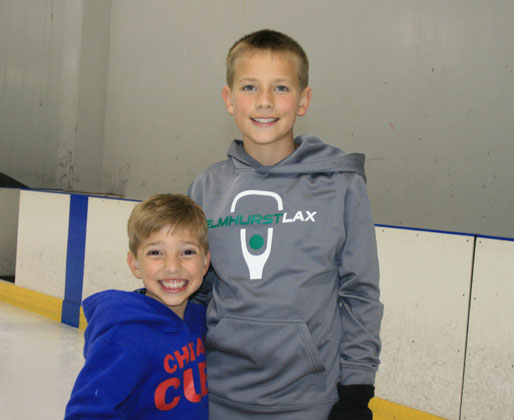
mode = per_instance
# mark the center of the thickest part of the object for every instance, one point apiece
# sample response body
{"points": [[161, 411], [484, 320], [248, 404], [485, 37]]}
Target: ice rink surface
{"points": [[39, 361]]}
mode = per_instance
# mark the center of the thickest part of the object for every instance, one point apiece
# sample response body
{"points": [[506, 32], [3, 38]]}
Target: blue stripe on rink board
{"points": [[75, 260]]}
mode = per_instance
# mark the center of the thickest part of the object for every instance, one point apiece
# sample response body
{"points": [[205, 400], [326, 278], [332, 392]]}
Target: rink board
{"points": [[42, 242], [425, 285], [425, 279], [105, 264], [488, 382], [71, 246]]}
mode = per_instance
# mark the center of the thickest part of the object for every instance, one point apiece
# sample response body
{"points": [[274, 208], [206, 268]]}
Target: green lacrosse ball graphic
{"points": [[256, 242]]}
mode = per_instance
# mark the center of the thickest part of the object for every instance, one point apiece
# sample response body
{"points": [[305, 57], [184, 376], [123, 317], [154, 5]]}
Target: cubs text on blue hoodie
{"points": [[294, 305], [141, 361]]}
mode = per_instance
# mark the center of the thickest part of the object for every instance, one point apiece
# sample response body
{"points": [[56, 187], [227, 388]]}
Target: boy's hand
{"points": [[353, 403]]}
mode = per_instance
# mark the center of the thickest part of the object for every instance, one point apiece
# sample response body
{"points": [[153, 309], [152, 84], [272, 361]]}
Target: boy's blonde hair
{"points": [[273, 41], [158, 211]]}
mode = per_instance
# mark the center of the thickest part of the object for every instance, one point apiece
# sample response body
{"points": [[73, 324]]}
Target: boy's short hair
{"points": [[158, 211], [273, 41]]}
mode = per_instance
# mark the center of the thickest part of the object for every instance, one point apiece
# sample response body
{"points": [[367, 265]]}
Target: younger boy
{"points": [[295, 315], [144, 350]]}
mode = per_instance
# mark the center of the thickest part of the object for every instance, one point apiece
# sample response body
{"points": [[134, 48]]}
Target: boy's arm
{"points": [[111, 373], [360, 308]]}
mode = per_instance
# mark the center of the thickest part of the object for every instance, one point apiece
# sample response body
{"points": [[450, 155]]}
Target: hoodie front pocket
{"points": [[263, 362]]}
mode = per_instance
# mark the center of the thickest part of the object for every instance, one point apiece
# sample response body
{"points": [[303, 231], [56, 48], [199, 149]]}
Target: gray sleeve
{"points": [[360, 308], [204, 293]]}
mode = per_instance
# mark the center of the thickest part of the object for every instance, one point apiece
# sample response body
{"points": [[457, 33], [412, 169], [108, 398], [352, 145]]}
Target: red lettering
{"points": [[181, 358], [167, 365], [189, 384], [200, 349], [160, 394], [189, 387], [203, 377], [192, 352]]}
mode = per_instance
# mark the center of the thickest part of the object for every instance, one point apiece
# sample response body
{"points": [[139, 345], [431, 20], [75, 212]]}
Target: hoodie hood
{"points": [[112, 308], [310, 156]]}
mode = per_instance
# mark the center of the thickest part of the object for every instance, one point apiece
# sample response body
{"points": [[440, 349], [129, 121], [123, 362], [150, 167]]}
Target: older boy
{"points": [[144, 350], [294, 318]]}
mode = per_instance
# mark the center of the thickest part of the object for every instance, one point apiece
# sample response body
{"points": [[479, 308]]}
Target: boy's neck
{"points": [[269, 154]]}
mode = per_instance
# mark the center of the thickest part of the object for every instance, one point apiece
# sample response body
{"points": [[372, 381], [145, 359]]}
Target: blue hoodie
{"points": [[142, 361]]}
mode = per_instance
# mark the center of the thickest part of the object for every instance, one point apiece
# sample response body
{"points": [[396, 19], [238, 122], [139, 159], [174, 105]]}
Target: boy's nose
{"points": [[264, 100], [172, 263]]}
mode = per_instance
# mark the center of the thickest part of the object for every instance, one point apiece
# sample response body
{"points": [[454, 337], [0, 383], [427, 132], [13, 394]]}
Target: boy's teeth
{"points": [[264, 120], [173, 284]]}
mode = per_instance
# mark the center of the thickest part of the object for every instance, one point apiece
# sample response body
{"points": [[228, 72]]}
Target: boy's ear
{"points": [[305, 100], [226, 94], [206, 262], [133, 265]]}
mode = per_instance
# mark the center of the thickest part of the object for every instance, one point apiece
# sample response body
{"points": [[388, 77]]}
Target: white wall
{"points": [[123, 97]]}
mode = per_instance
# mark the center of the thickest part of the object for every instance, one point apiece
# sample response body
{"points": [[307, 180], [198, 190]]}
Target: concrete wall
{"points": [[447, 330], [123, 97], [9, 208], [53, 73]]}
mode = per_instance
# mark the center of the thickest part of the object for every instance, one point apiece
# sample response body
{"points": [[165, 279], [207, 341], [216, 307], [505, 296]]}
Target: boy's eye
{"points": [[153, 252], [282, 88], [249, 88], [190, 252]]}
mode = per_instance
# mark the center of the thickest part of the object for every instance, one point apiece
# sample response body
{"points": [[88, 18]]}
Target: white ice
{"points": [[39, 361]]}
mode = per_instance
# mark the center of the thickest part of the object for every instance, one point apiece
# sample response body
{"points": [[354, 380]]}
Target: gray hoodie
{"points": [[294, 283]]}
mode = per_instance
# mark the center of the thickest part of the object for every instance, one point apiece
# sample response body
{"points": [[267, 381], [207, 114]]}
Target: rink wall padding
{"points": [[488, 386], [75, 260], [42, 242], [387, 410], [40, 303], [447, 330], [425, 283]]}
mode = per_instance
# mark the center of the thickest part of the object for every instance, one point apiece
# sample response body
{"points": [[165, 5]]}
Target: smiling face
{"points": [[171, 264], [265, 99]]}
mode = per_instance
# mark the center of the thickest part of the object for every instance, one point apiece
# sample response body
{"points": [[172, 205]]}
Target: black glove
{"points": [[353, 403]]}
